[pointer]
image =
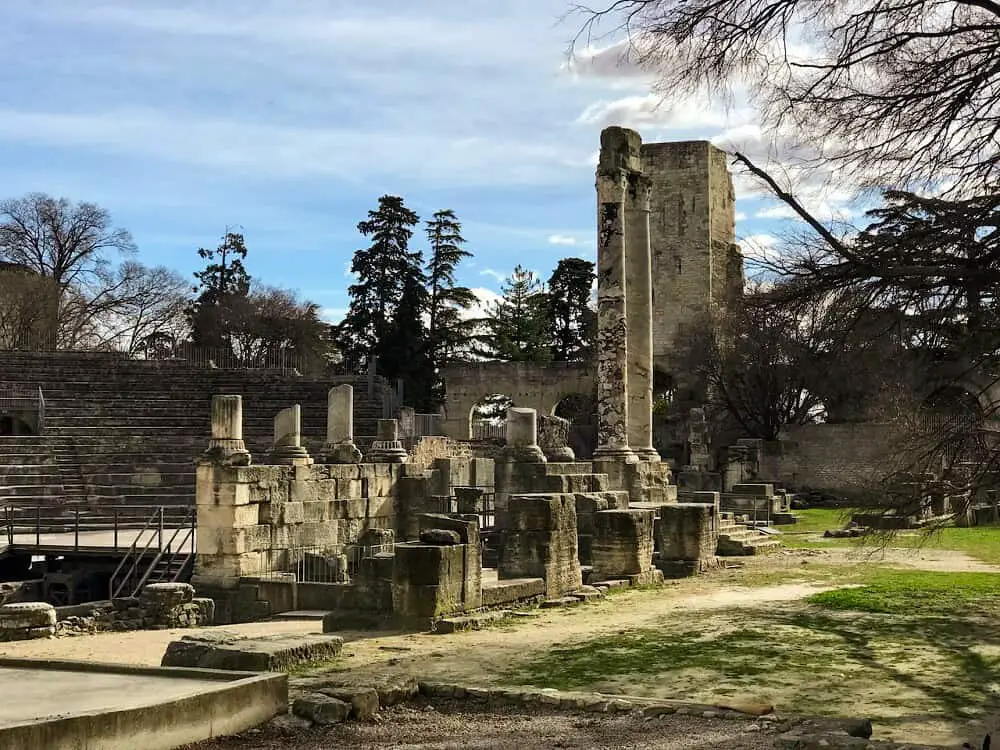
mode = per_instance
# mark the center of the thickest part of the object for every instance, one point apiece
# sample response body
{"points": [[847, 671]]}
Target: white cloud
{"points": [[759, 247], [499, 277], [561, 239], [654, 111], [270, 151], [740, 216], [486, 298], [617, 60]]}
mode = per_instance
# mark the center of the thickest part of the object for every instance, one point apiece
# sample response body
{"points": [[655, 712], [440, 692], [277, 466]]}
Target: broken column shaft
{"points": [[288, 438], [339, 447], [226, 445]]}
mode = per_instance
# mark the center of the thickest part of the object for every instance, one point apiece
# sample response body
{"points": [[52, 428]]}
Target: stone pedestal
{"points": [[622, 545], [226, 445], [288, 438], [387, 448], [688, 538], [542, 542], [339, 447], [639, 312], [522, 436], [619, 157]]}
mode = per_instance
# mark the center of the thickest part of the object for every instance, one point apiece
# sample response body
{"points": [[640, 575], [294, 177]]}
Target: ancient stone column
{"points": [[339, 447], [619, 156], [522, 436], [639, 315], [226, 445], [387, 448], [288, 438]]}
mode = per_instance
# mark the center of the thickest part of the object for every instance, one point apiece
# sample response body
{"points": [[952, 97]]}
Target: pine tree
{"points": [[383, 270], [572, 324], [447, 330], [222, 285], [515, 329]]}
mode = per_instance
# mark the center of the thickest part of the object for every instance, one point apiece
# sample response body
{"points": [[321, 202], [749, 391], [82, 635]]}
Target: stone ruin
{"points": [[380, 538]]}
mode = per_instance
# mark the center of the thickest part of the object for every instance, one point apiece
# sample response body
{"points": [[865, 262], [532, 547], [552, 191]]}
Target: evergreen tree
{"points": [[389, 303], [384, 269], [447, 330], [572, 324], [515, 327], [222, 285]]}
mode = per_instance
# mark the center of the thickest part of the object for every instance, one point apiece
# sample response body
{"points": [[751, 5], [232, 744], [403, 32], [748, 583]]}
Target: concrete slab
{"points": [[68, 705]]}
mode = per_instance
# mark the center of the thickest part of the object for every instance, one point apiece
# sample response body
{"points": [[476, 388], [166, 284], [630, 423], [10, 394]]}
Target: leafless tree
{"points": [[891, 93], [72, 244]]}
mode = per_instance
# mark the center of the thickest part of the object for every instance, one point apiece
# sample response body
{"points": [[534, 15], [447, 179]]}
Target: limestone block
{"points": [[344, 472], [319, 510], [622, 544], [444, 537], [236, 541], [23, 615], [710, 498], [541, 542], [380, 507], [228, 516], [481, 472], [688, 531], [349, 488], [428, 564], [292, 513], [363, 700], [757, 490]]}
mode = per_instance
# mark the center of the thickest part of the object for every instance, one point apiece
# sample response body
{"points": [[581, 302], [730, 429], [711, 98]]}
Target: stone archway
{"points": [[580, 410]]}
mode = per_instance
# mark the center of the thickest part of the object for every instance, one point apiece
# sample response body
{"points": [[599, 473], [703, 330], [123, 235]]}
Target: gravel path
{"points": [[416, 727]]}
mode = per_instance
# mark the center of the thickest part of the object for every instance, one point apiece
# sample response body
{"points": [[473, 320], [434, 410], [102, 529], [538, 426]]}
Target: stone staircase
{"points": [[739, 540], [125, 432]]}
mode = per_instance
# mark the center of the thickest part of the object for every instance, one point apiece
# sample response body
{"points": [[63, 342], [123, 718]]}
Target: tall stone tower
{"points": [[696, 265]]}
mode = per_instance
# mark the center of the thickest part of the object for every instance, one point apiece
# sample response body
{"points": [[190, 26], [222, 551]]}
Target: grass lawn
{"points": [[979, 542], [907, 648]]}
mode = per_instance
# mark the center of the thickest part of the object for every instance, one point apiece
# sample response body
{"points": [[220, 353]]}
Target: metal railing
{"points": [[757, 510], [81, 526], [135, 568], [427, 425], [14, 399], [320, 564], [486, 429]]}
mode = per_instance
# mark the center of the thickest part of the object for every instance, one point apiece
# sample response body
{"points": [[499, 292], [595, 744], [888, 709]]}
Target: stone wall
{"points": [[692, 233], [532, 386], [834, 457], [251, 519]]}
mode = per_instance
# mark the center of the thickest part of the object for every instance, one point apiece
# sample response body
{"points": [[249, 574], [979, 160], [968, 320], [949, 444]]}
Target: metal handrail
{"points": [[173, 552], [132, 552], [41, 412]]}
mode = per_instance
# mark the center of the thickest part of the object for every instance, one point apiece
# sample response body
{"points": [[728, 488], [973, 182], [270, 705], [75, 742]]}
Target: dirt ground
{"points": [[709, 603], [418, 728]]}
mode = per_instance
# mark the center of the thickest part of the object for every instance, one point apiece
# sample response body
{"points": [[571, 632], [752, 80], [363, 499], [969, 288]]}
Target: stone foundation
{"points": [[688, 538]]}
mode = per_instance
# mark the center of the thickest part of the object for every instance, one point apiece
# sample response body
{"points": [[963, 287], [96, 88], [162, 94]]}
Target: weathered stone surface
{"points": [[321, 709], [289, 723], [542, 542], [226, 446], [362, 700], [522, 436], [553, 438], [222, 650], [440, 536], [688, 531], [428, 580], [622, 543]]}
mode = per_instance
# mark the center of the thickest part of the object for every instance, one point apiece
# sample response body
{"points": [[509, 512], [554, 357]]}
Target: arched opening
{"points": [[11, 425], [580, 410], [488, 418]]}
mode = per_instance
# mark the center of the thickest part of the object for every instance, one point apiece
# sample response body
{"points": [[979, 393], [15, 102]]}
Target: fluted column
{"points": [[639, 315]]}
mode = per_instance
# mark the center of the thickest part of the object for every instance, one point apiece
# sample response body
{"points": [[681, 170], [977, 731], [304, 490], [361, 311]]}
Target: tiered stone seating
{"points": [[128, 432]]}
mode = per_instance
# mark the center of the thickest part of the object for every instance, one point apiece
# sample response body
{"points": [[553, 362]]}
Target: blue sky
{"points": [[290, 119]]}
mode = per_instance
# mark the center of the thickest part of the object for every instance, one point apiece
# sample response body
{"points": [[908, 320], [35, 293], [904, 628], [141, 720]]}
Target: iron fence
{"points": [[487, 429], [17, 399], [322, 563], [425, 425]]}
